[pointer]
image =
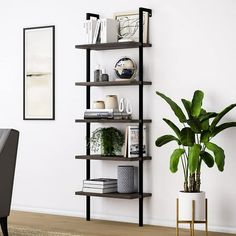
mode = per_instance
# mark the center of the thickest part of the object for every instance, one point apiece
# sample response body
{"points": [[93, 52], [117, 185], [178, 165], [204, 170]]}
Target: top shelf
{"points": [[112, 46], [114, 83]]}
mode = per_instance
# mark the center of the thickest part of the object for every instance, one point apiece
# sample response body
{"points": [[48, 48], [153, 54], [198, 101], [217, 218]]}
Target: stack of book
{"points": [[100, 185], [105, 114]]}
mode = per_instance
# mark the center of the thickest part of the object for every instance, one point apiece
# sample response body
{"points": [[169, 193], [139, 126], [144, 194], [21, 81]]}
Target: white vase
{"points": [[98, 105], [111, 102], [185, 206]]}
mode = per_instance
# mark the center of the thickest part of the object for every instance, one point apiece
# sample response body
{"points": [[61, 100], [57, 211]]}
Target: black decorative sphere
{"points": [[125, 68]]}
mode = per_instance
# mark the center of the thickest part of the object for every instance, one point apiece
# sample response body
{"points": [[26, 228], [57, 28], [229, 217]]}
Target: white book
{"points": [[97, 190], [126, 143], [109, 30], [99, 110], [100, 186], [100, 181], [133, 141], [86, 31], [92, 26], [97, 32]]}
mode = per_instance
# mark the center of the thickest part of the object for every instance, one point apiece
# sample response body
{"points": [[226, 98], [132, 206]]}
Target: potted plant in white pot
{"points": [[195, 147]]}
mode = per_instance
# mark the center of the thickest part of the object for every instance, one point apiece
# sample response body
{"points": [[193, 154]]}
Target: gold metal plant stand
{"points": [[191, 222]]}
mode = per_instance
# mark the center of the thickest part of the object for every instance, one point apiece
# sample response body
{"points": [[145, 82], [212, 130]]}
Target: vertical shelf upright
{"points": [[88, 125], [88, 157], [141, 12]]}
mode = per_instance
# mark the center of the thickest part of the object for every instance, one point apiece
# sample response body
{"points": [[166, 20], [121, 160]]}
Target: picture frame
{"points": [[39, 73], [128, 26]]}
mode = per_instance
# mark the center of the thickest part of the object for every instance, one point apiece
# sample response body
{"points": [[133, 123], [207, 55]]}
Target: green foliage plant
{"points": [[110, 140], [194, 138]]}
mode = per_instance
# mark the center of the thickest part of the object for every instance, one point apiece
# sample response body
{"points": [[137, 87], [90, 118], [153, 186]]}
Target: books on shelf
{"points": [[100, 181], [109, 30], [101, 31], [89, 26], [132, 141], [96, 37], [97, 190], [100, 185], [98, 113], [105, 114]]}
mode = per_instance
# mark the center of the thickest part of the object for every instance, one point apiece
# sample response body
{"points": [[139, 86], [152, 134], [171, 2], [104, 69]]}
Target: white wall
{"points": [[193, 48]]}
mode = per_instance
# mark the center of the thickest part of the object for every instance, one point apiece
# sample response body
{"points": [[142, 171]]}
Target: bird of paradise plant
{"points": [[194, 139]]}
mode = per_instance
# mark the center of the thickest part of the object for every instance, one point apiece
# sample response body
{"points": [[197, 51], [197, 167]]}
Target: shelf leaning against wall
{"points": [[140, 195]]}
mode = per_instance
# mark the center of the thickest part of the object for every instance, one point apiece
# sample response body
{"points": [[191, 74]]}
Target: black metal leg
{"points": [[3, 222], [88, 208], [141, 212]]}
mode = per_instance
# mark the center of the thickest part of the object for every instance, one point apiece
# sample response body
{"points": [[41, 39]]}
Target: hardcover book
{"points": [[97, 32], [100, 186], [98, 190], [98, 113], [100, 181], [89, 26], [133, 141], [109, 30]]}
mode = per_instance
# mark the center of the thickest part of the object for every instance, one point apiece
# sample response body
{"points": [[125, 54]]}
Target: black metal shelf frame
{"points": [[88, 125]]}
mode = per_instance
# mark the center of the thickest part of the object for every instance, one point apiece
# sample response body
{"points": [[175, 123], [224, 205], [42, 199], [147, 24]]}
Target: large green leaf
{"points": [[218, 153], [204, 119], [222, 127], [205, 136], [187, 104], [166, 139], [176, 109], [173, 127], [193, 158], [220, 115], [194, 125], [204, 125], [174, 159], [187, 137], [207, 116], [197, 103], [207, 158]]}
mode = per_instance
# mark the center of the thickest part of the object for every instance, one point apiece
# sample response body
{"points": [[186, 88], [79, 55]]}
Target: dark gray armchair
{"points": [[8, 151]]}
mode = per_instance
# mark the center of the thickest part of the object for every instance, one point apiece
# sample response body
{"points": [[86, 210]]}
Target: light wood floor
{"points": [[94, 227]]}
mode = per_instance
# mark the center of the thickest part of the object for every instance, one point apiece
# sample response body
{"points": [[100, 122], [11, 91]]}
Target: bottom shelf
{"points": [[114, 195]]}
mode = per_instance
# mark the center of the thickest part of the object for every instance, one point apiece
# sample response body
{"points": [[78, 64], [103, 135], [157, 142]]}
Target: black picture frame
{"points": [[39, 73]]}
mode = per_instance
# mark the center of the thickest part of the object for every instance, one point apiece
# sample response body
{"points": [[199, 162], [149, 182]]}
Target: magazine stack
{"points": [[100, 185]]}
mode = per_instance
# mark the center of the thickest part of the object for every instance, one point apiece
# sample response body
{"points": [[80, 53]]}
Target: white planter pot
{"points": [[185, 206]]}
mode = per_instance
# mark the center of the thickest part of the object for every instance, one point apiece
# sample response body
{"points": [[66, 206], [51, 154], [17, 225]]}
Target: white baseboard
{"points": [[231, 230], [47, 211]]}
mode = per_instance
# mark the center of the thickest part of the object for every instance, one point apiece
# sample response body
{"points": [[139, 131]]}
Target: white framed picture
{"points": [[128, 26], [39, 73]]}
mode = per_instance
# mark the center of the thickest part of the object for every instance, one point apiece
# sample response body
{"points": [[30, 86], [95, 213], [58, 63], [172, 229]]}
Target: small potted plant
{"points": [[109, 140], [194, 146]]}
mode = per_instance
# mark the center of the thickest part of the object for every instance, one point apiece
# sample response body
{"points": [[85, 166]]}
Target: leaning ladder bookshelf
{"points": [[140, 195]]}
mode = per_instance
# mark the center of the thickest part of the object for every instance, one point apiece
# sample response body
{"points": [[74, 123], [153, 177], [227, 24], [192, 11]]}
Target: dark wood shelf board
{"points": [[110, 158], [114, 83], [114, 195], [112, 46], [110, 121]]}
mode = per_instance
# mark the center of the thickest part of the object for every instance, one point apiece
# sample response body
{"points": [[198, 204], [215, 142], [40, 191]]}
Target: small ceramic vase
{"points": [[111, 102], [98, 105]]}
